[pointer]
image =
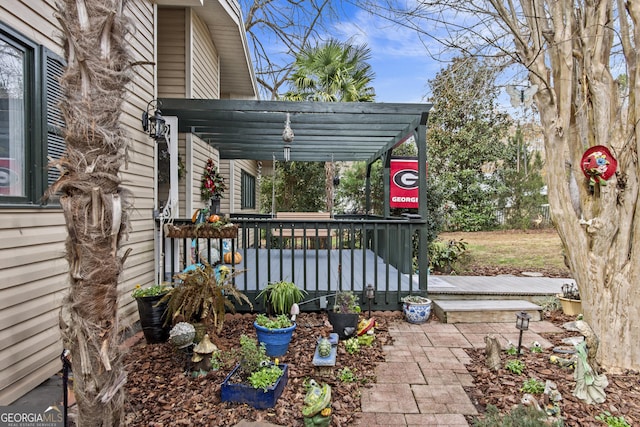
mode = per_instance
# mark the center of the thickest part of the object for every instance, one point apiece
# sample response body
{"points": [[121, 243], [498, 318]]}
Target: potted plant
{"points": [[254, 380], [274, 333], [279, 297], [203, 294], [345, 314], [570, 299], [416, 308], [153, 311]]}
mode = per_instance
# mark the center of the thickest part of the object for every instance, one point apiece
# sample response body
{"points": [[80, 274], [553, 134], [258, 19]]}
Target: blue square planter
{"points": [[256, 397]]}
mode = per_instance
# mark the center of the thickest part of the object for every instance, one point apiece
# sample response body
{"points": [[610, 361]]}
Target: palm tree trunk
{"points": [[94, 204]]}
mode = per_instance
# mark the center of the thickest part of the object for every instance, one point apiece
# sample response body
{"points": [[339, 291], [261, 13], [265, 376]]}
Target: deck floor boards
{"points": [[326, 270]]}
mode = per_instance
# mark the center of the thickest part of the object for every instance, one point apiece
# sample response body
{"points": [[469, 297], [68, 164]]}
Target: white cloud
{"points": [[400, 60]]}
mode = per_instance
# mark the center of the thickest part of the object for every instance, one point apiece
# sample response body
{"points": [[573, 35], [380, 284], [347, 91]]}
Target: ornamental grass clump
{"points": [[281, 296]]}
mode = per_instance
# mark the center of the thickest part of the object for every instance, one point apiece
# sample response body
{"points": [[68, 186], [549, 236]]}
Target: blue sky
{"points": [[399, 60], [404, 61]]}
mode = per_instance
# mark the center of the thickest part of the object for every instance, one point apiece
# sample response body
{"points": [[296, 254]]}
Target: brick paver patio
{"points": [[421, 382]]}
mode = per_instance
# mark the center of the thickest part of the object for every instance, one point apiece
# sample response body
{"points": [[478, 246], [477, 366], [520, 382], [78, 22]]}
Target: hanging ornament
{"points": [[598, 165]]}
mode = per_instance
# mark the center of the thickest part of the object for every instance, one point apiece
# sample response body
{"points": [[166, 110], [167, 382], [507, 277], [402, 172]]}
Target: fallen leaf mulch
{"points": [[502, 387], [161, 394]]}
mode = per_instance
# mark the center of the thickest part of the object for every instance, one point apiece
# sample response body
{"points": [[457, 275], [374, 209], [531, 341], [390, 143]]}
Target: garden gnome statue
{"points": [[317, 405], [202, 356]]}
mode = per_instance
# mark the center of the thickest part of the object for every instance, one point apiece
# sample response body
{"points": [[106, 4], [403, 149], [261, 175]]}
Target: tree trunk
{"points": [[329, 174], [94, 204], [568, 58]]}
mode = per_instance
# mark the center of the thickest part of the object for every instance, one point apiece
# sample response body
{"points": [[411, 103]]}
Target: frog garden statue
{"points": [[317, 405]]}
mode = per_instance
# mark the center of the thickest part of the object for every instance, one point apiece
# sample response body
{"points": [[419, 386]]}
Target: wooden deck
{"points": [[321, 270], [473, 299], [494, 287]]}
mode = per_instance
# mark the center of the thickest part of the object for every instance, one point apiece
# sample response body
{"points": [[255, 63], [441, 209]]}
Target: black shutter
{"points": [[53, 68]]}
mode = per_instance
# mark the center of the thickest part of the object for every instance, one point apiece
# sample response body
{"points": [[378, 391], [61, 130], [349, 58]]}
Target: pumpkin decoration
{"points": [[237, 258], [213, 218]]}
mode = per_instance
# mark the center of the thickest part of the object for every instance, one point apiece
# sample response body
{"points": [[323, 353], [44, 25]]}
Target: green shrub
{"points": [[532, 386], [442, 255], [265, 377], [252, 355], [611, 420], [280, 322], [515, 366], [352, 345], [346, 375], [520, 416]]}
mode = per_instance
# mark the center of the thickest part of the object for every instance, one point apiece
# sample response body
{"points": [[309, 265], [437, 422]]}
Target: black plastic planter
{"points": [[344, 324], [152, 319]]}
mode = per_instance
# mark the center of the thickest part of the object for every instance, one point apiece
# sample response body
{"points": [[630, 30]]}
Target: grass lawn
{"points": [[524, 250]]}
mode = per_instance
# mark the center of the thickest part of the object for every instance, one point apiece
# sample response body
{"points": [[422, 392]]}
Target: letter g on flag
{"points": [[407, 179]]}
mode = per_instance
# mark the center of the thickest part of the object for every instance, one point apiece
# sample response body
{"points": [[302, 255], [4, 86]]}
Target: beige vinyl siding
{"points": [[32, 241], [234, 186], [205, 67], [172, 53]]}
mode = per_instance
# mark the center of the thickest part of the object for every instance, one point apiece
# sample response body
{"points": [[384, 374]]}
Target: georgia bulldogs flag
{"points": [[403, 189]]}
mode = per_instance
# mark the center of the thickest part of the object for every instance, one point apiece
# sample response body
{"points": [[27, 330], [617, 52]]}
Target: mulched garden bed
{"points": [[160, 394], [502, 388]]}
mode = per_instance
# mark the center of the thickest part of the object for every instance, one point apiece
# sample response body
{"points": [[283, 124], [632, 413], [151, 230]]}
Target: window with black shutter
{"points": [[248, 190]]}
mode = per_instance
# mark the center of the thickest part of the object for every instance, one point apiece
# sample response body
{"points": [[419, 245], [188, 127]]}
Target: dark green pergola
{"points": [[324, 131]]}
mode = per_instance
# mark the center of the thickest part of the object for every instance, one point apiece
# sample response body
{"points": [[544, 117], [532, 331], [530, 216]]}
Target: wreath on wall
{"points": [[212, 184]]}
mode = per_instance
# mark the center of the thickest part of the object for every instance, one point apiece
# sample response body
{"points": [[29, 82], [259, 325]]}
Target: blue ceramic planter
{"points": [[256, 397], [417, 312], [276, 341]]}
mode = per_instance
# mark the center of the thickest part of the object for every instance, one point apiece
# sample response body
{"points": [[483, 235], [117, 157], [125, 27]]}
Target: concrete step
{"points": [[479, 311]]}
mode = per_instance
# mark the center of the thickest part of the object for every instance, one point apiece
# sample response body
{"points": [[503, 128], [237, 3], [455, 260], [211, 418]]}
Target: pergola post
{"points": [[386, 180], [367, 190], [423, 249]]}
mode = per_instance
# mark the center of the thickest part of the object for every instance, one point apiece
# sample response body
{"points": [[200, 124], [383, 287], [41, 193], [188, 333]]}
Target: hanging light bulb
{"points": [[287, 137]]}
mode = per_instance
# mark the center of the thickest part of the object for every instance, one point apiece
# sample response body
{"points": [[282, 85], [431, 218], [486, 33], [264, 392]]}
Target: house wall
{"points": [[172, 55], [32, 261], [205, 69], [234, 168]]}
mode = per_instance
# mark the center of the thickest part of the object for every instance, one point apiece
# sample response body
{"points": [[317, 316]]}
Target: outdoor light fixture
{"points": [[152, 122], [287, 137], [371, 293], [522, 324]]}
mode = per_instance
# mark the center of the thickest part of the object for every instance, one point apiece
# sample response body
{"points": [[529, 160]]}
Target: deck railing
{"points": [[321, 256]]}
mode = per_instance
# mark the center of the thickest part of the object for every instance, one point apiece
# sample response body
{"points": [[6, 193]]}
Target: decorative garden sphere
{"points": [[182, 334]]}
